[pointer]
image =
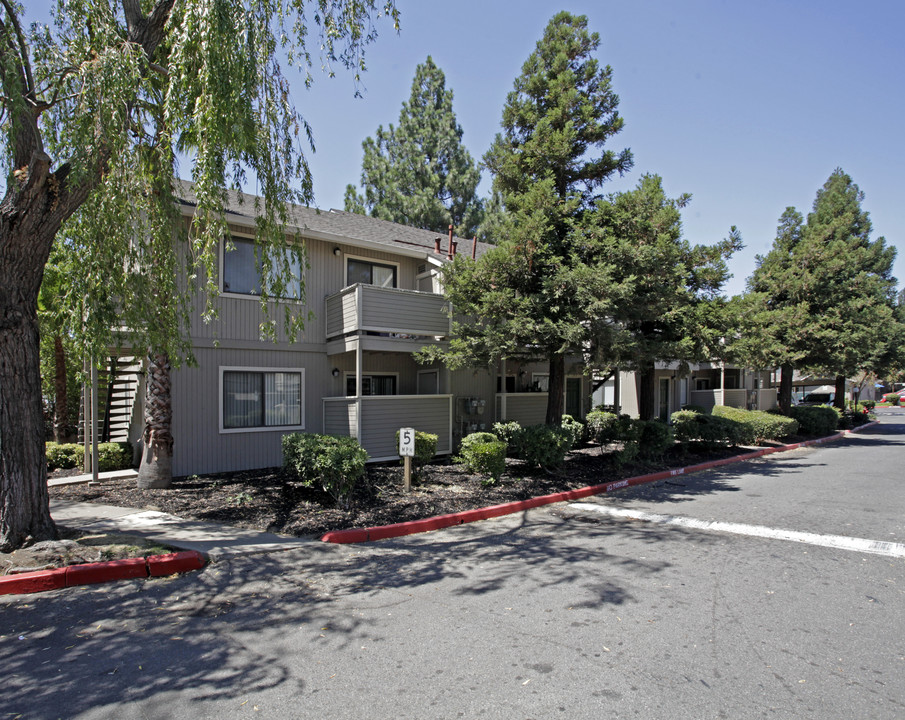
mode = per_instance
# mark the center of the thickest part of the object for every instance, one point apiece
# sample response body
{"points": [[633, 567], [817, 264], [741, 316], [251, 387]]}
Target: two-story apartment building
{"points": [[372, 288]]}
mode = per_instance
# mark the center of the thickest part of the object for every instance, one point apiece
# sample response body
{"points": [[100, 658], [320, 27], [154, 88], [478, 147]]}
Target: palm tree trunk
{"points": [[156, 469]]}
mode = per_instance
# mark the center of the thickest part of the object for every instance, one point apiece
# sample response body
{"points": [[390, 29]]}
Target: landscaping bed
{"points": [[273, 500]]}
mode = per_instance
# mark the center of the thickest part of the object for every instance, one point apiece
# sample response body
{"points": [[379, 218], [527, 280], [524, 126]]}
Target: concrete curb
{"points": [[91, 573], [383, 532]]}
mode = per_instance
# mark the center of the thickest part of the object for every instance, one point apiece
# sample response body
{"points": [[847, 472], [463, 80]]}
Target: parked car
{"points": [[818, 398]]}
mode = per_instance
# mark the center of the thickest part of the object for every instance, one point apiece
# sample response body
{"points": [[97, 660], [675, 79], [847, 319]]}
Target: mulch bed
{"points": [[273, 500]]}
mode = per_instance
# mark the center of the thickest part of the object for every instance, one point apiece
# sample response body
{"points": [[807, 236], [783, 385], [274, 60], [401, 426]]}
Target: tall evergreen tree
{"points": [[774, 319], [419, 173], [548, 164], [664, 302], [94, 111], [823, 298]]}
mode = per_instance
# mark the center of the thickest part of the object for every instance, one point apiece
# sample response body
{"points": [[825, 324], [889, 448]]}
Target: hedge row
{"points": [[110, 456]]}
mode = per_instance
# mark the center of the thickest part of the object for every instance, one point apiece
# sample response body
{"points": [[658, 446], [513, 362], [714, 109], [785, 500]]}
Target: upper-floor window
{"points": [[370, 273], [243, 275]]}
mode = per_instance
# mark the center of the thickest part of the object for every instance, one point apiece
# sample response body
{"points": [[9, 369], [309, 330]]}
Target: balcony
{"points": [[375, 420], [384, 318]]}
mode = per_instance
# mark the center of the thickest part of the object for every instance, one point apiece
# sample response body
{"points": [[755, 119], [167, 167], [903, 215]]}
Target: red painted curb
{"points": [[384, 532], [32, 582], [104, 572], [91, 573], [172, 563]]}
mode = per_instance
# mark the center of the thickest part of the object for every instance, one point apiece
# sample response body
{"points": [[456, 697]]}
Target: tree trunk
{"points": [[785, 389], [839, 399], [557, 389], [26, 235], [647, 393], [61, 401], [156, 469]]}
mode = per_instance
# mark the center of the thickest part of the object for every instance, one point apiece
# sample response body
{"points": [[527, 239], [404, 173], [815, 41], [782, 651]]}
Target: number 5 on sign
{"points": [[407, 442], [407, 451]]}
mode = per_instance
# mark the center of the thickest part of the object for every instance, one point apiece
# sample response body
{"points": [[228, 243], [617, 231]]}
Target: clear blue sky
{"points": [[747, 106]]}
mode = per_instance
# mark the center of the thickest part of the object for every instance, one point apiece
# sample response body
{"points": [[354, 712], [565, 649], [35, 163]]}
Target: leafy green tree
{"points": [[419, 173], [824, 296], [530, 296], [663, 293], [93, 112]]}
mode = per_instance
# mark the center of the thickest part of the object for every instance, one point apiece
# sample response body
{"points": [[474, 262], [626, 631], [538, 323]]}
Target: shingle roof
{"points": [[340, 223]]}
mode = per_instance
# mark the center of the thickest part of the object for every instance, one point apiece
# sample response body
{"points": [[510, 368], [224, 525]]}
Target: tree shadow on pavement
{"points": [[196, 635]]}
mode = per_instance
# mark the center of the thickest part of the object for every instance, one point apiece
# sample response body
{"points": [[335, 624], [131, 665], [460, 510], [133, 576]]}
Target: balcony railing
{"points": [[381, 416], [368, 308]]}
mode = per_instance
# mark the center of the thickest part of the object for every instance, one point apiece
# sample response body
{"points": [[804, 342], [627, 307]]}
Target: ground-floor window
{"points": [[261, 398], [372, 384]]}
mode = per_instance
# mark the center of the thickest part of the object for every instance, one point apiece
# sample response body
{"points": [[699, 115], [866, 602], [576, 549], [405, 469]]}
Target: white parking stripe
{"points": [[841, 542]]}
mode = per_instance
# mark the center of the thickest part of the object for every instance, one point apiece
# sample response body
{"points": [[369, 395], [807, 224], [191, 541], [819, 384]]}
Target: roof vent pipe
{"points": [[452, 248], [474, 247], [437, 245]]}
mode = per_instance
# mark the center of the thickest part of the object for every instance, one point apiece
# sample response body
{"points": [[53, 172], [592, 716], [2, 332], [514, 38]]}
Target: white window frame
{"points": [[248, 296], [373, 261], [262, 428], [370, 373]]}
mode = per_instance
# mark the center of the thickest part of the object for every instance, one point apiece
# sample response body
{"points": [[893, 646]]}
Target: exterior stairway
{"points": [[117, 390]]}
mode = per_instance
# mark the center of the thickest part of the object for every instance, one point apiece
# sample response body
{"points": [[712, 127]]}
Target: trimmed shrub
{"points": [[710, 430], [63, 456], [655, 438], [746, 432], [603, 427], [114, 456], [695, 408], [335, 463], [818, 420], [543, 446], [758, 425], [894, 400], [110, 456], [482, 454], [628, 432], [508, 432], [574, 427], [869, 404]]}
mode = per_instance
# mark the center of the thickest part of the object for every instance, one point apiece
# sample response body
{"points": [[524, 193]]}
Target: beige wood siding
{"points": [[199, 446], [340, 416], [383, 416], [525, 408]]}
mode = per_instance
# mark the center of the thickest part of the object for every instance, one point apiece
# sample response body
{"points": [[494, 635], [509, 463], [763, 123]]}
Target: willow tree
{"points": [[548, 163], [94, 109]]}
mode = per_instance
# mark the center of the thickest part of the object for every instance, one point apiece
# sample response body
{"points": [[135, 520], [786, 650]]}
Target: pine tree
{"points": [[663, 292], [419, 173], [824, 295], [548, 164]]}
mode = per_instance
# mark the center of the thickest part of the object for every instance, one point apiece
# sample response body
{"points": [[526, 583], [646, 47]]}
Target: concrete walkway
{"points": [[214, 541]]}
